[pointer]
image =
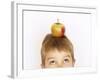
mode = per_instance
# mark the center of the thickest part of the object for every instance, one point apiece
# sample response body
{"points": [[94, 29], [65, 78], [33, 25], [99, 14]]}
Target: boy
{"points": [[57, 52]]}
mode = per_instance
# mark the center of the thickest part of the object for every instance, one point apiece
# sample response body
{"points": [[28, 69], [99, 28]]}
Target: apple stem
{"points": [[57, 20]]}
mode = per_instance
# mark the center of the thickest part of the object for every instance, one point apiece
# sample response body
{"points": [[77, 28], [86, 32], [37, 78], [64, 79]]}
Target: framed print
{"points": [[52, 40]]}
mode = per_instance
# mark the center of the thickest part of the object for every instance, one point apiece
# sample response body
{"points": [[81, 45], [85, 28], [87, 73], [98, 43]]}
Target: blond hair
{"points": [[51, 43]]}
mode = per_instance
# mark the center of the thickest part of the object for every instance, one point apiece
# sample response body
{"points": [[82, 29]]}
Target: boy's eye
{"points": [[52, 62], [66, 60]]}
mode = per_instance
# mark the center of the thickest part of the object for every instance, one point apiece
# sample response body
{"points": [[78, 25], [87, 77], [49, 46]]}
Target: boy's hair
{"points": [[51, 43]]}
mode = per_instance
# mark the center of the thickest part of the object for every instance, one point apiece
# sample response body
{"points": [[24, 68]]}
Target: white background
{"points": [[5, 39], [38, 24]]}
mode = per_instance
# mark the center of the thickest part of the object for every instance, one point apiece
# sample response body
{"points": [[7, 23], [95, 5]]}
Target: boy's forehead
{"points": [[57, 52]]}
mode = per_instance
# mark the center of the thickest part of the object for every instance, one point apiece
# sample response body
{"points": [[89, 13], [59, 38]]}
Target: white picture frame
{"points": [[17, 12]]}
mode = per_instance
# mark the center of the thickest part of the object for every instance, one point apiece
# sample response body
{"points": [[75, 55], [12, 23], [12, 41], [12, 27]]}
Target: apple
{"points": [[58, 29]]}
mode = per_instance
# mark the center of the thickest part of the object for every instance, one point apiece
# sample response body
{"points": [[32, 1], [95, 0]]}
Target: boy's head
{"points": [[57, 52]]}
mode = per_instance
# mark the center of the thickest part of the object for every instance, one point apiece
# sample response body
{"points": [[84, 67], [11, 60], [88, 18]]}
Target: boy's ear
{"points": [[73, 62], [42, 66]]}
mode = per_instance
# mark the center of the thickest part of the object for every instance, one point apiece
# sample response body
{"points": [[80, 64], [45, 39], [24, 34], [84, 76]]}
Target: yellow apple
{"points": [[58, 29]]}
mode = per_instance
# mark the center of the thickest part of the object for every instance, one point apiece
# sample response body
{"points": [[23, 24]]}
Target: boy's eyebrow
{"points": [[68, 56], [53, 57], [50, 58]]}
